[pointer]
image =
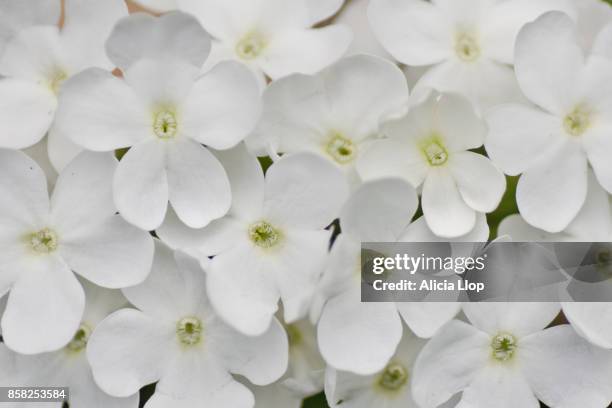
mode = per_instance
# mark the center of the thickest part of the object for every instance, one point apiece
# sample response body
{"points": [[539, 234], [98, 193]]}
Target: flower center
{"points": [[165, 125], [56, 80], [80, 338], [577, 122], [394, 377], [263, 234], [189, 331], [341, 149], [43, 241], [504, 346], [250, 46], [467, 48], [434, 151]]}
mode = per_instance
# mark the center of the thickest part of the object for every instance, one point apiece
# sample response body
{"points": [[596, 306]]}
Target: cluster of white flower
{"points": [[245, 291]]}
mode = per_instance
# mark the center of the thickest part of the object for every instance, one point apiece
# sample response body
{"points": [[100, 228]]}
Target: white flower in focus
{"points": [[177, 339], [164, 110], [355, 16], [43, 241], [272, 37], [469, 44], [506, 358], [591, 320], [430, 147], [272, 244], [592, 224], [68, 367], [553, 144], [379, 211], [334, 114], [390, 387], [38, 59]]}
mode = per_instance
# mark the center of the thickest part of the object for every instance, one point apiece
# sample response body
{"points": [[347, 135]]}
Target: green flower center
{"points": [[80, 339], [263, 234], [341, 149], [467, 47], [503, 346], [189, 331], [577, 122], [250, 46], [165, 125], [394, 377], [434, 151], [43, 241]]}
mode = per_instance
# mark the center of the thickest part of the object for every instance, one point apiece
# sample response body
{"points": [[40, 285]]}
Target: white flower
{"points": [[68, 367], [164, 110], [272, 37], [42, 241], [355, 16], [390, 387], [430, 147], [593, 222], [38, 59], [334, 114], [272, 243], [507, 359], [158, 6], [591, 320], [469, 44], [553, 144], [378, 211], [593, 16], [177, 339]]}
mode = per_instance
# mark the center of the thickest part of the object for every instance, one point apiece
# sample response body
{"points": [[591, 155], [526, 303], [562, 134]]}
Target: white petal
{"points": [[39, 152], [603, 42], [231, 394], [414, 32], [199, 189], [446, 212], [519, 230], [87, 25], [550, 194], [173, 35], [518, 319], [223, 106], [598, 147], [519, 136], [158, 5], [503, 386], [480, 183], [129, 350], [246, 180], [591, 321], [379, 210], [318, 48], [565, 371], [27, 109], [418, 231], [262, 359], [23, 186], [74, 185], [448, 363], [348, 327], [140, 185], [44, 308], [426, 318], [241, 290], [16, 15], [171, 290], [293, 199], [546, 74], [113, 255], [323, 9], [100, 112], [594, 221], [61, 149], [221, 19]]}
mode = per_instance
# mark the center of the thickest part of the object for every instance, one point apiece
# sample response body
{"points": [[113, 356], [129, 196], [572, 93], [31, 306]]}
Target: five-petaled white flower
{"points": [[37, 57], [468, 44], [68, 367], [164, 110], [43, 241], [177, 339], [272, 243], [553, 143], [429, 146], [273, 37], [334, 114], [506, 358]]}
